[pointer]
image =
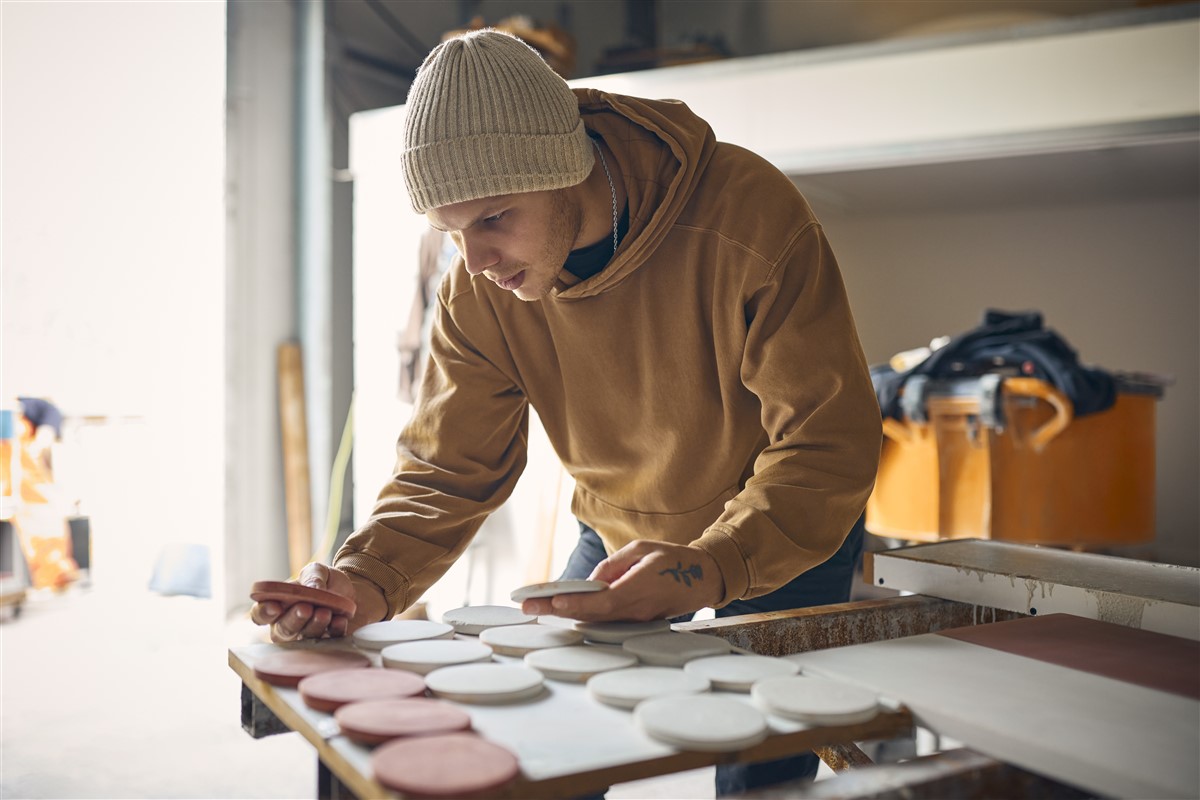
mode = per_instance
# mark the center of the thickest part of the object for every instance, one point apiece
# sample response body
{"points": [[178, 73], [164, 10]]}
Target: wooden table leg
{"points": [[841, 757], [329, 786], [257, 719]]}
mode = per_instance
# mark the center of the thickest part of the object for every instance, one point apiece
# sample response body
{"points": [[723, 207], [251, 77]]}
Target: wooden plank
{"points": [[1091, 731], [841, 757], [293, 427], [1040, 580], [1167, 663], [780, 633]]}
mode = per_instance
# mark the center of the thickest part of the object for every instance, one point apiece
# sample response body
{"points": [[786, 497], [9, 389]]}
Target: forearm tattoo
{"points": [[682, 575]]}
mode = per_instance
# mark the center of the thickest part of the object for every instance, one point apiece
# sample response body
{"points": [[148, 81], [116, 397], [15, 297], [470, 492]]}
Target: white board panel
{"points": [[1098, 733]]}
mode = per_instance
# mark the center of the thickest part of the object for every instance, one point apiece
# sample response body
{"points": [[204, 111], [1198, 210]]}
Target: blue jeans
{"points": [[824, 584]]}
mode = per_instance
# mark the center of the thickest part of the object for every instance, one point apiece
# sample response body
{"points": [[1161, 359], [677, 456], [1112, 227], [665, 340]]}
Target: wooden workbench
{"points": [[567, 743]]}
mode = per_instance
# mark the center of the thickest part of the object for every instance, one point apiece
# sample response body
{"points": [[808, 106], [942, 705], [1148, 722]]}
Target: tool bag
{"points": [[1000, 453]]}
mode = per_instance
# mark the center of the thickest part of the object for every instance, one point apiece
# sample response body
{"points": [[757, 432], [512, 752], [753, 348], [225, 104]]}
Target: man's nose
{"points": [[477, 255]]}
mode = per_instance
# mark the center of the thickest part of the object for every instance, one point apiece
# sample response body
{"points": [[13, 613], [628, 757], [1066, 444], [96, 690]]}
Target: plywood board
{"points": [[1040, 580], [1155, 660]]}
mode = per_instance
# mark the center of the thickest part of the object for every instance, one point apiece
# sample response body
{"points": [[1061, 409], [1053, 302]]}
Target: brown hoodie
{"points": [[707, 387]]}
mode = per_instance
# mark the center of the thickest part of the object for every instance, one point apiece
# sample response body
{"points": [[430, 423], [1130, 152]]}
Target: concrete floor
{"points": [[124, 693]]}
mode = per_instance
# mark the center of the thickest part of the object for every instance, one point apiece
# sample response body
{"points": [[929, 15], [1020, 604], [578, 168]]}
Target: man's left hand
{"points": [[647, 580]]}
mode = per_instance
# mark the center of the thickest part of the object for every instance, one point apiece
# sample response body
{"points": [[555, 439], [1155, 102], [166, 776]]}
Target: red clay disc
{"points": [[453, 765], [288, 594], [328, 691], [377, 721], [292, 666]]}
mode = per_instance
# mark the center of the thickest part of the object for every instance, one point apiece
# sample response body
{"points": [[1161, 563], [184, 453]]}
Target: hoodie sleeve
{"points": [[457, 460], [803, 361]]}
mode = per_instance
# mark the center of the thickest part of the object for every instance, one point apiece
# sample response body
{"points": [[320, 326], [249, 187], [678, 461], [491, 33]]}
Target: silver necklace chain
{"points": [[612, 190]]}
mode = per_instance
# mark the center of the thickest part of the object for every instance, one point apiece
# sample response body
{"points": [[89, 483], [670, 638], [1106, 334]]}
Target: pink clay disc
{"points": [[288, 594], [453, 765], [328, 691], [377, 721], [290, 667]]}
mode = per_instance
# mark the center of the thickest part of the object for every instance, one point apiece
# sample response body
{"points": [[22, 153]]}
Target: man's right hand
{"points": [[306, 621]]}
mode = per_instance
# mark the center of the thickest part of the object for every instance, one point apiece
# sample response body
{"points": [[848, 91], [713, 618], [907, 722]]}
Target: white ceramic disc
{"points": [[816, 701], [712, 723], [473, 620], [556, 622], [427, 655], [485, 683], [577, 663], [738, 673], [517, 640], [674, 648], [379, 635], [618, 632], [625, 688], [555, 587]]}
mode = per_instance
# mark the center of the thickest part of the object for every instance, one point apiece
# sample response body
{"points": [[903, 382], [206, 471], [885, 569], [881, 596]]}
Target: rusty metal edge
{"points": [[779, 633]]}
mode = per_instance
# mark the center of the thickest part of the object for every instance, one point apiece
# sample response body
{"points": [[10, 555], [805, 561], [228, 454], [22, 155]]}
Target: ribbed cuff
{"points": [[719, 544], [392, 584]]}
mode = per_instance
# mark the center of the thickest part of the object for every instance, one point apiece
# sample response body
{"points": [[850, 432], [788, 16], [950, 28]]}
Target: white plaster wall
{"points": [[113, 261]]}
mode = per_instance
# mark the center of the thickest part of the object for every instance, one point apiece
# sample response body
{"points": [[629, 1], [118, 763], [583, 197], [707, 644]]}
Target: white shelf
{"points": [[1163, 598]]}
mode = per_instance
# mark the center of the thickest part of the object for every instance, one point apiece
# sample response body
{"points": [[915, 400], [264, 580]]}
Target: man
{"points": [[671, 308]]}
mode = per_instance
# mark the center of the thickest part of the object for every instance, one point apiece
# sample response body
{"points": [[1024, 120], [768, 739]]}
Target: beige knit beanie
{"points": [[486, 117]]}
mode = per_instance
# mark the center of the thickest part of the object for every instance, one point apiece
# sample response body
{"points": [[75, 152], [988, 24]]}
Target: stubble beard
{"points": [[566, 220]]}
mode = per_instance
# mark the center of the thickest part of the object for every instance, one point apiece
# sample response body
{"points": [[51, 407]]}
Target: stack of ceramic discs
{"points": [[288, 594], [486, 683], [578, 663], [452, 765], [815, 701], [328, 691], [618, 632], [737, 673], [474, 620], [427, 655], [288, 668], [625, 688], [517, 640], [372, 722], [674, 648], [707, 722], [379, 635], [553, 588]]}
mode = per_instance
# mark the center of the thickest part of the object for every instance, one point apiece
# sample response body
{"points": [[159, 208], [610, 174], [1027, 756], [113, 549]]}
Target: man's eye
{"points": [[494, 217]]}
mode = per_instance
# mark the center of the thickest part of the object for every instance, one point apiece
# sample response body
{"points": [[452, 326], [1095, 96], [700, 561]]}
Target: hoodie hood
{"points": [[659, 180]]}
